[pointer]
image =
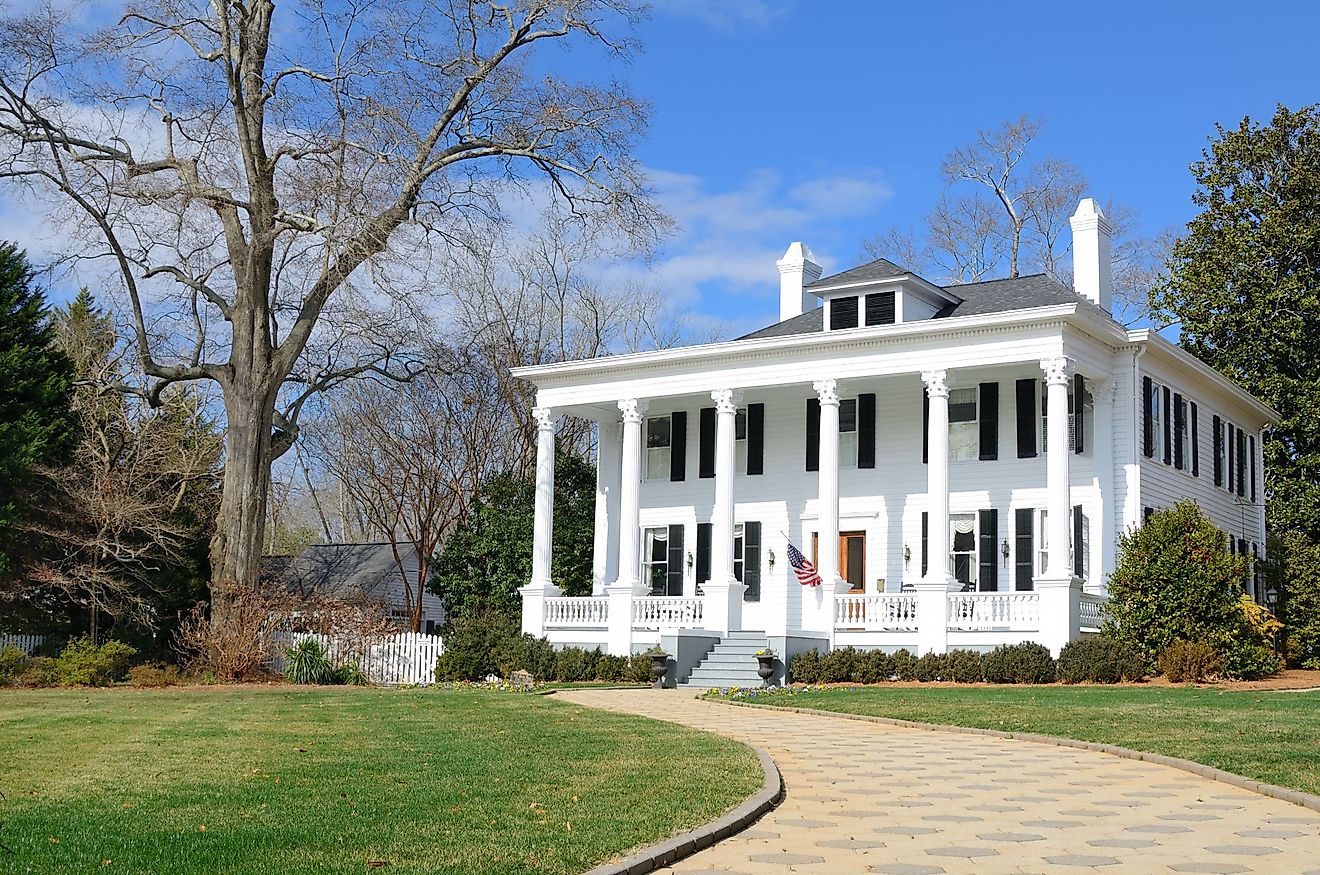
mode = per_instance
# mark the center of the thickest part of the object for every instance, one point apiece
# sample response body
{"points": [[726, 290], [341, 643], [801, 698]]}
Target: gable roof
{"points": [[880, 269], [978, 299], [349, 572]]}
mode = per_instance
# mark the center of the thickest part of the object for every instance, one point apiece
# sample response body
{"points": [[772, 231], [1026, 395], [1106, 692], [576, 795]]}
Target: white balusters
{"points": [[984, 611], [656, 612], [563, 612], [882, 612], [1094, 611]]}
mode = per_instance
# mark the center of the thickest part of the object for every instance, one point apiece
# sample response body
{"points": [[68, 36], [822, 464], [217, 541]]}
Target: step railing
{"points": [[994, 611], [880, 612], [664, 612], [565, 612]]}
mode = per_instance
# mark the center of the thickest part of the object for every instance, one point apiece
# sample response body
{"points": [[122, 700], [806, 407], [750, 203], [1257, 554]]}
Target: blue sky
{"points": [[777, 120]]}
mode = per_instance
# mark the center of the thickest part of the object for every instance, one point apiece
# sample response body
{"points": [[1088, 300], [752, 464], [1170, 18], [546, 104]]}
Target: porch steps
{"points": [[731, 664]]}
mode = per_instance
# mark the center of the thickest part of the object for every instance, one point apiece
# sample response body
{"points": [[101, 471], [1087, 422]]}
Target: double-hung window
{"points": [[1045, 420], [962, 548], [848, 433], [738, 552], [659, 436], [655, 559], [740, 441], [964, 438]]}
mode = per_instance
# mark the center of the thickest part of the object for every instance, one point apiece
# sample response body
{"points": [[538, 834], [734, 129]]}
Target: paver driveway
{"points": [[865, 797]]}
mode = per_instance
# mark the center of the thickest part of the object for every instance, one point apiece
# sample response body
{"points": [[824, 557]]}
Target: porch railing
{"points": [[983, 611], [888, 612], [656, 612], [563, 612], [1095, 611]]}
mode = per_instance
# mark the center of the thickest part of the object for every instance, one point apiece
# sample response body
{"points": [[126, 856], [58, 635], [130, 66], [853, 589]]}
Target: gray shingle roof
{"points": [[979, 299], [880, 269], [347, 571]]}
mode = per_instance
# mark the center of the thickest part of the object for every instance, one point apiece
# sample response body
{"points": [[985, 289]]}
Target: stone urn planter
{"points": [[659, 668], [765, 667]]}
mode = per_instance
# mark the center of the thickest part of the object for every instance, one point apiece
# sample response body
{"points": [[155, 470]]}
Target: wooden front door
{"points": [[852, 558]]}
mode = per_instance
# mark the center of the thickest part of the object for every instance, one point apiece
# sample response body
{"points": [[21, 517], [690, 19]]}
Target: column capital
{"points": [[545, 418], [1057, 370], [937, 385], [1103, 388], [726, 400], [632, 409], [827, 391]]}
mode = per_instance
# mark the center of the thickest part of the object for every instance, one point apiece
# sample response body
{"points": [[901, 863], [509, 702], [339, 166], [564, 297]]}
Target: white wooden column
{"points": [[827, 552], [605, 553], [1102, 534], [627, 586], [1059, 591], [722, 611], [541, 586], [934, 586]]}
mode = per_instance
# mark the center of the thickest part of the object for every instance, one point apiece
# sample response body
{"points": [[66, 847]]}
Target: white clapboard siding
{"points": [[405, 658], [25, 643]]}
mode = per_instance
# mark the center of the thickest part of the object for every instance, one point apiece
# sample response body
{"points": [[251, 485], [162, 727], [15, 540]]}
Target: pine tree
{"points": [[37, 426]]}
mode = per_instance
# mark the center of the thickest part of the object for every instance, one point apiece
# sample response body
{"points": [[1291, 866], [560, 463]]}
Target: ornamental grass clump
{"points": [[306, 663]]}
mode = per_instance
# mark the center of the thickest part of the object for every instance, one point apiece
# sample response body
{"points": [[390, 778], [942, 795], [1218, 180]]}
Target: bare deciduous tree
{"points": [[251, 175]]}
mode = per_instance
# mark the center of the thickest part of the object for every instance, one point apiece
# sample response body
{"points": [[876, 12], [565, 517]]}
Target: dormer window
{"points": [[880, 308], [843, 313]]}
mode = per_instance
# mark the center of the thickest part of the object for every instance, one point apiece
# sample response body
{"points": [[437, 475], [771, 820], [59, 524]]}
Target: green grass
{"points": [[1271, 737], [344, 780]]}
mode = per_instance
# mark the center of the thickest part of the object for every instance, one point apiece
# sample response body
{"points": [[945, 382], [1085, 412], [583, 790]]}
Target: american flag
{"points": [[805, 571]]}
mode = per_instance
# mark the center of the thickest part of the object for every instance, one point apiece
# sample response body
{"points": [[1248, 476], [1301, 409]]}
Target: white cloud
{"points": [[727, 14]]}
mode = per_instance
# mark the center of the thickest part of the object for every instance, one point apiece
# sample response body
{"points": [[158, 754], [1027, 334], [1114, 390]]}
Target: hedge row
{"points": [[1095, 659]]}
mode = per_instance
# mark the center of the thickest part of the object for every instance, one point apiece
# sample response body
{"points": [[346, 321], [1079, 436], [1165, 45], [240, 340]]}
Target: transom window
{"points": [[964, 439], [659, 436]]}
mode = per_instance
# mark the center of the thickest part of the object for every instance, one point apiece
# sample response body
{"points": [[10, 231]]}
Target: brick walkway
{"points": [[864, 797]]}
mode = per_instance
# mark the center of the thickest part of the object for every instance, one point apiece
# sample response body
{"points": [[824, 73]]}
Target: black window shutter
{"points": [[1232, 545], [1217, 426], [1146, 514], [1196, 443], [1025, 548], [813, 434], [989, 421], [1079, 413], [1167, 419], [925, 542], [1147, 426], [706, 443], [925, 427], [880, 308], [843, 313], [674, 582], [678, 445], [755, 438], [752, 561], [988, 578], [1026, 419], [1241, 471], [866, 430], [1078, 557], [1251, 453], [1232, 456], [704, 531], [1179, 425]]}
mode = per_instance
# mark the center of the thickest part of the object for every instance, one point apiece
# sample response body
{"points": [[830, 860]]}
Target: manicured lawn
{"points": [[341, 779], [1272, 737]]}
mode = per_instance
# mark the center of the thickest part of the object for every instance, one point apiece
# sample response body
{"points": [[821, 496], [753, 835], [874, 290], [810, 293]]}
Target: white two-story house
{"points": [[957, 462]]}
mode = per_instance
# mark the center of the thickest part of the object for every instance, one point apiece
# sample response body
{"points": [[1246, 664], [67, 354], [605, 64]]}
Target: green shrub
{"points": [[13, 662], [307, 663], [1100, 659], [905, 665], [1025, 663], [1294, 572], [154, 674], [611, 668], [931, 667], [639, 669], [1249, 660], [352, 675], [471, 642], [574, 664], [965, 667], [804, 668], [874, 666], [527, 653], [1191, 661], [84, 664], [837, 666], [40, 671]]}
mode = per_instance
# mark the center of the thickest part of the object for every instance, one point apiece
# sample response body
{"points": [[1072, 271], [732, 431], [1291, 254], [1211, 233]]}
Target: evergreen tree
{"points": [[1244, 288], [37, 426]]}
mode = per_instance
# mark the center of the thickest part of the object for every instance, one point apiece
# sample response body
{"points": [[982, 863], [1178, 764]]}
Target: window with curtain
{"points": [[738, 552], [962, 549], [655, 559]]}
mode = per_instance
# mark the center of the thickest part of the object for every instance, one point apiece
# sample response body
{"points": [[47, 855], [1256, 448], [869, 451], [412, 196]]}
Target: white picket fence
{"points": [[405, 658], [25, 643]]}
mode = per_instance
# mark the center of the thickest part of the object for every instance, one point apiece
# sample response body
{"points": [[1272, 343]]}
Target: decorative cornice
{"points": [[632, 409], [545, 418], [1057, 370], [937, 385], [827, 391], [726, 400]]}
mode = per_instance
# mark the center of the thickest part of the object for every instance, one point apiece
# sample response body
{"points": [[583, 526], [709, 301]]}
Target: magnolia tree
{"points": [[267, 185]]}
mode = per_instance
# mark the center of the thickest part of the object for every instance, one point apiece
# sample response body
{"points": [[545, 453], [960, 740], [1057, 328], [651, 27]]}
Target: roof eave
{"points": [[1176, 352]]}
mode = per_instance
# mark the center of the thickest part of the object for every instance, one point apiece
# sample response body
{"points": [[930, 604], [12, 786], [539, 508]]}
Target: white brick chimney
{"points": [[1092, 266], [797, 270]]}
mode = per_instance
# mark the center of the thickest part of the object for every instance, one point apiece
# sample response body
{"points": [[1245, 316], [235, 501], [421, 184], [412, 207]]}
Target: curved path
{"points": [[865, 797]]}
